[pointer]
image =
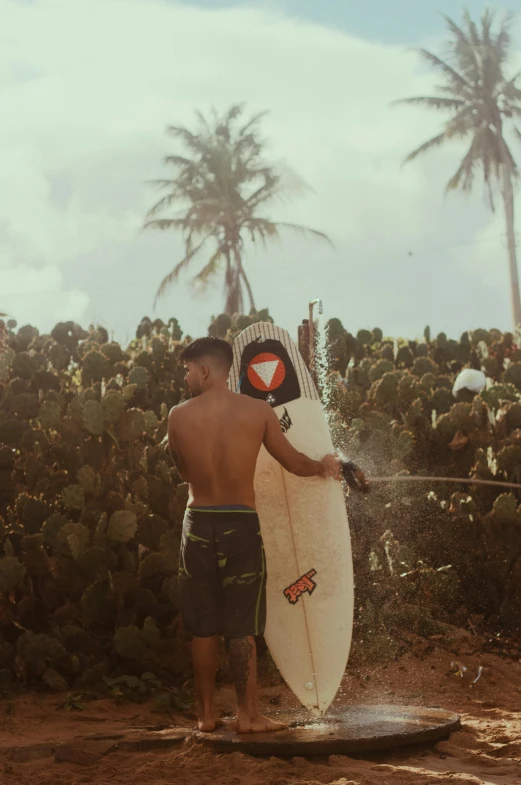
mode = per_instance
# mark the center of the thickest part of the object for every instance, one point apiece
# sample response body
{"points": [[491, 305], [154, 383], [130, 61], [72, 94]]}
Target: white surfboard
{"points": [[303, 522]]}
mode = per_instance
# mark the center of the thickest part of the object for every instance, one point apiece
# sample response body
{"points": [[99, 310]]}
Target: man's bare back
{"points": [[216, 438]]}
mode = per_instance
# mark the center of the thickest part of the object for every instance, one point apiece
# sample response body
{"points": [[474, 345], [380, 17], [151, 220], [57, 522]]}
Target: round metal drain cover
{"points": [[355, 729]]}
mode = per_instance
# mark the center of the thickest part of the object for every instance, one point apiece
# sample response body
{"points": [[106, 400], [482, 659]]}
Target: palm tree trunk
{"points": [[235, 300], [249, 290], [230, 288], [508, 200], [233, 287]]}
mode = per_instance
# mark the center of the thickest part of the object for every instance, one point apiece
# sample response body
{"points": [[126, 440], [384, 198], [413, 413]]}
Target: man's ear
{"points": [[205, 370]]}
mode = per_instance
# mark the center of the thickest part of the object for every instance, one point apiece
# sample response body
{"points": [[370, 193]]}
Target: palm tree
{"points": [[217, 191], [3, 330], [483, 104]]}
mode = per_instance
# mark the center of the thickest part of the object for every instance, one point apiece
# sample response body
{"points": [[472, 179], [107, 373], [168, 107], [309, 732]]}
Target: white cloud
{"points": [[38, 297], [88, 88]]}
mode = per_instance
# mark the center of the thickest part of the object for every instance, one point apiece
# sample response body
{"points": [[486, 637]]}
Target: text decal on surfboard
{"points": [[300, 587]]}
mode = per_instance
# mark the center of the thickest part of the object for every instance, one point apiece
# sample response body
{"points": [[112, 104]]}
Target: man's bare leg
{"points": [[205, 657], [243, 665]]}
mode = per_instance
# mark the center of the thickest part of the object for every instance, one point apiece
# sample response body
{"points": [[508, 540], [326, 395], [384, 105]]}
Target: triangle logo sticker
{"points": [[266, 371]]}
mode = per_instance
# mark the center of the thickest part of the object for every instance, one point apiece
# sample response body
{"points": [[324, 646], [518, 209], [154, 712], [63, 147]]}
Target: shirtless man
{"points": [[215, 440]]}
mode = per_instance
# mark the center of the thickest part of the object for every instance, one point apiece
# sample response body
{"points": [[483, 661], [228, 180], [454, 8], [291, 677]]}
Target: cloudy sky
{"points": [[87, 88]]}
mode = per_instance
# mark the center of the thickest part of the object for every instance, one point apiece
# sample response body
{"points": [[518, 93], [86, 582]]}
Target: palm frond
{"points": [[173, 275], [512, 91], [263, 194], [305, 231], [261, 230], [465, 173], [203, 122], [165, 201], [233, 112], [255, 120], [436, 141], [454, 77], [474, 37], [212, 266], [504, 39], [433, 102], [191, 140], [162, 183], [464, 50], [178, 160], [464, 122], [510, 160], [464, 176], [165, 223]]}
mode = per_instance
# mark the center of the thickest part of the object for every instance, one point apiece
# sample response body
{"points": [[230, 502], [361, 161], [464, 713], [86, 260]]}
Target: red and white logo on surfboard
{"points": [[266, 372]]}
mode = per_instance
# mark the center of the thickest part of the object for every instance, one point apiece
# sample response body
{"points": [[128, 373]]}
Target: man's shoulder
{"points": [[255, 406], [179, 408]]}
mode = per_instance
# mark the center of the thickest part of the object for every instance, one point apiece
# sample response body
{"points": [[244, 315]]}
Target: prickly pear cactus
{"points": [[12, 573], [131, 426], [93, 418], [129, 643], [122, 526], [88, 479], [113, 405], [95, 367], [73, 497], [50, 415], [91, 509], [505, 508], [38, 648], [139, 377]]}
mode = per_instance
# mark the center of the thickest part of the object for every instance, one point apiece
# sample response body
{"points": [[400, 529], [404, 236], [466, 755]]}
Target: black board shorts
{"points": [[222, 572]]}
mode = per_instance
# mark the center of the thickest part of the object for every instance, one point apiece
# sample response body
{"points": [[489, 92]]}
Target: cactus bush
{"points": [[91, 506], [407, 420], [86, 497]]}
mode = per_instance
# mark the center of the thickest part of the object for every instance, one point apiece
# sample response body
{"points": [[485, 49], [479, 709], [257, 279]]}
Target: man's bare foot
{"points": [[258, 724], [208, 723]]}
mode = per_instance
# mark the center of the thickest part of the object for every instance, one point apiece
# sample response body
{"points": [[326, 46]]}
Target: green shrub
{"points": [[91, 507]]}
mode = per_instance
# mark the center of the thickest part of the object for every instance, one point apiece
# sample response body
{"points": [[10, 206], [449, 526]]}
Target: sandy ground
{"points": [[487, 750]]}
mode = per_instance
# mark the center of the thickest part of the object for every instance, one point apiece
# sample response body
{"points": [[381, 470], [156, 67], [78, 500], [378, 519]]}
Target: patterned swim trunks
{"points": [[222, 572]]}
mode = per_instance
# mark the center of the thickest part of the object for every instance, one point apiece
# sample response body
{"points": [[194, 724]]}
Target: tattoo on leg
{"points": [[241, 651]]}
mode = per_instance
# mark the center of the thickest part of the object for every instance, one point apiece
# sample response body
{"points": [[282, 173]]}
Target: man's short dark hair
{"points": [[214, 348]]}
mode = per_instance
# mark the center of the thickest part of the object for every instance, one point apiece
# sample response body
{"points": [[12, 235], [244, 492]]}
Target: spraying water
{"points": [[320, 362], [321, 369], [318, 352]]}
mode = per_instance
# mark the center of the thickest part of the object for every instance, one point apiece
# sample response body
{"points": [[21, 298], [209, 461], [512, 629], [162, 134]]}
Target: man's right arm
{"points": [[174, 452], [291, 459]]}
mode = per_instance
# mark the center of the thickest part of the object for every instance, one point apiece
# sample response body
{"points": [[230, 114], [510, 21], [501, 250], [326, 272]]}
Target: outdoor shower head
{"points": [[312, 304]]}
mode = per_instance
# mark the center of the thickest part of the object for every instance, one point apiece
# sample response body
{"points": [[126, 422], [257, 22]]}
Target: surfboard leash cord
{"points": [[241, 379]]}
